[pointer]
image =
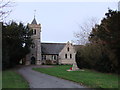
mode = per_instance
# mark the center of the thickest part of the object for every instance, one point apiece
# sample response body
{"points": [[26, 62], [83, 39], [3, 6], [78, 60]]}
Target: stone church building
{"points": [[48, 53]]}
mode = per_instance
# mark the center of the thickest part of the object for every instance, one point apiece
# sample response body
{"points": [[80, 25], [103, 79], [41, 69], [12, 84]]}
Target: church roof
{"points": [[55, 48], [34, 21], [52, 48]]}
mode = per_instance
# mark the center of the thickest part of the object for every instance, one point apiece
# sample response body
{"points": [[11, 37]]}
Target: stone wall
{"points": [[66, 51], [49, 58]]}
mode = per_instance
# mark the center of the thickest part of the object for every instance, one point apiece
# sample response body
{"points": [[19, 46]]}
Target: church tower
{"points": [[34, 57]]}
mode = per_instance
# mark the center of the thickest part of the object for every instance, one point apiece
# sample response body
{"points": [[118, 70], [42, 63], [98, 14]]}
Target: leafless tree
{"points": [[5, 8], [84, 32]]}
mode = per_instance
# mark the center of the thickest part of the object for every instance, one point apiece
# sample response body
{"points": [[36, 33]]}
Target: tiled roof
{"points": [[55, 48], [52, 48]]}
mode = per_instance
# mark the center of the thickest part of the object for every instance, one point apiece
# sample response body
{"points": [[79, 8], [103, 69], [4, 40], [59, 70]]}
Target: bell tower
{"points": [[34, 57]]}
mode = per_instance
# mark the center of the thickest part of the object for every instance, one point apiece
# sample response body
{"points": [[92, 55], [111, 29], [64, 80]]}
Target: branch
{"points": [[3, 6]]}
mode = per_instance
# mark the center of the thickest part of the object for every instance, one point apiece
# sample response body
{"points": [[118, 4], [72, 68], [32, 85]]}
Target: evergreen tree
{"points": [[107, 34], [16, 42]]}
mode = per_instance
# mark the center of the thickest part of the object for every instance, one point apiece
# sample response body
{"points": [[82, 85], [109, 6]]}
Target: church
{"points": [[48, 53]]}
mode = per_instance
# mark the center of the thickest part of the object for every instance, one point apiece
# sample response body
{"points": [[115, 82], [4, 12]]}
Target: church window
{"points": [[52, 57], [43, 57], [68, 49], [34, 31], [33, 45], [66, 56], [70, 56], [55, 57]]}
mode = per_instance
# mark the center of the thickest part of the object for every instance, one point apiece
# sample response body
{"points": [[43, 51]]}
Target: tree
{"points": [[107, 34], [85, 29], [16, 43]]}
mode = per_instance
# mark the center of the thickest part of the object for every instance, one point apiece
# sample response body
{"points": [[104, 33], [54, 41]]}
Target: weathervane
{"points": [[34, 13]]}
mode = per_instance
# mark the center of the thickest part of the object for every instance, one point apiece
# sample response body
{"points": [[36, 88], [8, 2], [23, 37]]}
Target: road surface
{"points": [[41, 80]]}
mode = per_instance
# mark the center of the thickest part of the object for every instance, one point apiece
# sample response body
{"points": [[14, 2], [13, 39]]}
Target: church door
{"points": [[32, 60]]}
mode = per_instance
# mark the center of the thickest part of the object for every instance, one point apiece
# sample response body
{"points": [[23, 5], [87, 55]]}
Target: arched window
{"points": [[70, 56], [33, 45], [55, 57], [66, 56], [34, 31], [68, 49], [43, 57]]}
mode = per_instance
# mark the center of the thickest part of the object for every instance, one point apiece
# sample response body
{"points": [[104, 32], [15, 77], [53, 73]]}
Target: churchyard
{"points": [[89, 78]]}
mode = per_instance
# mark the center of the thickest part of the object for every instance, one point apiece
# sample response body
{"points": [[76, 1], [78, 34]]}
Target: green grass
{"points": [[88, 78], [11, 79]]}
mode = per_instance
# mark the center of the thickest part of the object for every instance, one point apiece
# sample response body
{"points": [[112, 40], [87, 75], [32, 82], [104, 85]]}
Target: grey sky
{"points": [[59, 19]]}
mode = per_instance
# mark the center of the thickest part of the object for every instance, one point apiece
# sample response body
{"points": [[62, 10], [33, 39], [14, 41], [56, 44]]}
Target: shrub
{"points": [[48, 62]]}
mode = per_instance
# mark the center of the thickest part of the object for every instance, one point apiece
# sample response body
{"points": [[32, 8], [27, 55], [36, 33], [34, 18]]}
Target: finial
{"points": [[34, 13]]}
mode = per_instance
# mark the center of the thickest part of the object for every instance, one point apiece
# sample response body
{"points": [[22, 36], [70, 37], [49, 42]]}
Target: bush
{"points": [[96, 57], [103, 64], [48, 62]]}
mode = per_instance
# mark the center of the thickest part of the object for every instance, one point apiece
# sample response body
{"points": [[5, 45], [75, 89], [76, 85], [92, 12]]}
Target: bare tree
{"points": [[84, 32], [5, 8]]}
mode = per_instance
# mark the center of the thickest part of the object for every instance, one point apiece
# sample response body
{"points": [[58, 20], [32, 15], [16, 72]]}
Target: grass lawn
{"points": [[11, 79], [88, 78]]}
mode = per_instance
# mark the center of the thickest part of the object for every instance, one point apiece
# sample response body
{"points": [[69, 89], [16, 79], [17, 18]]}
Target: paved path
{"points": [[40, 80]]}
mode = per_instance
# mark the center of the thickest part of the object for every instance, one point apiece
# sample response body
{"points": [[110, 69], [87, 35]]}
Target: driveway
{"points": [[41, 80]]}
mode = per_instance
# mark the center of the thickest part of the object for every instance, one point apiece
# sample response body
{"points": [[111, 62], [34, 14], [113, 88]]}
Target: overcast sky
{"points": [[59, 20]]}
